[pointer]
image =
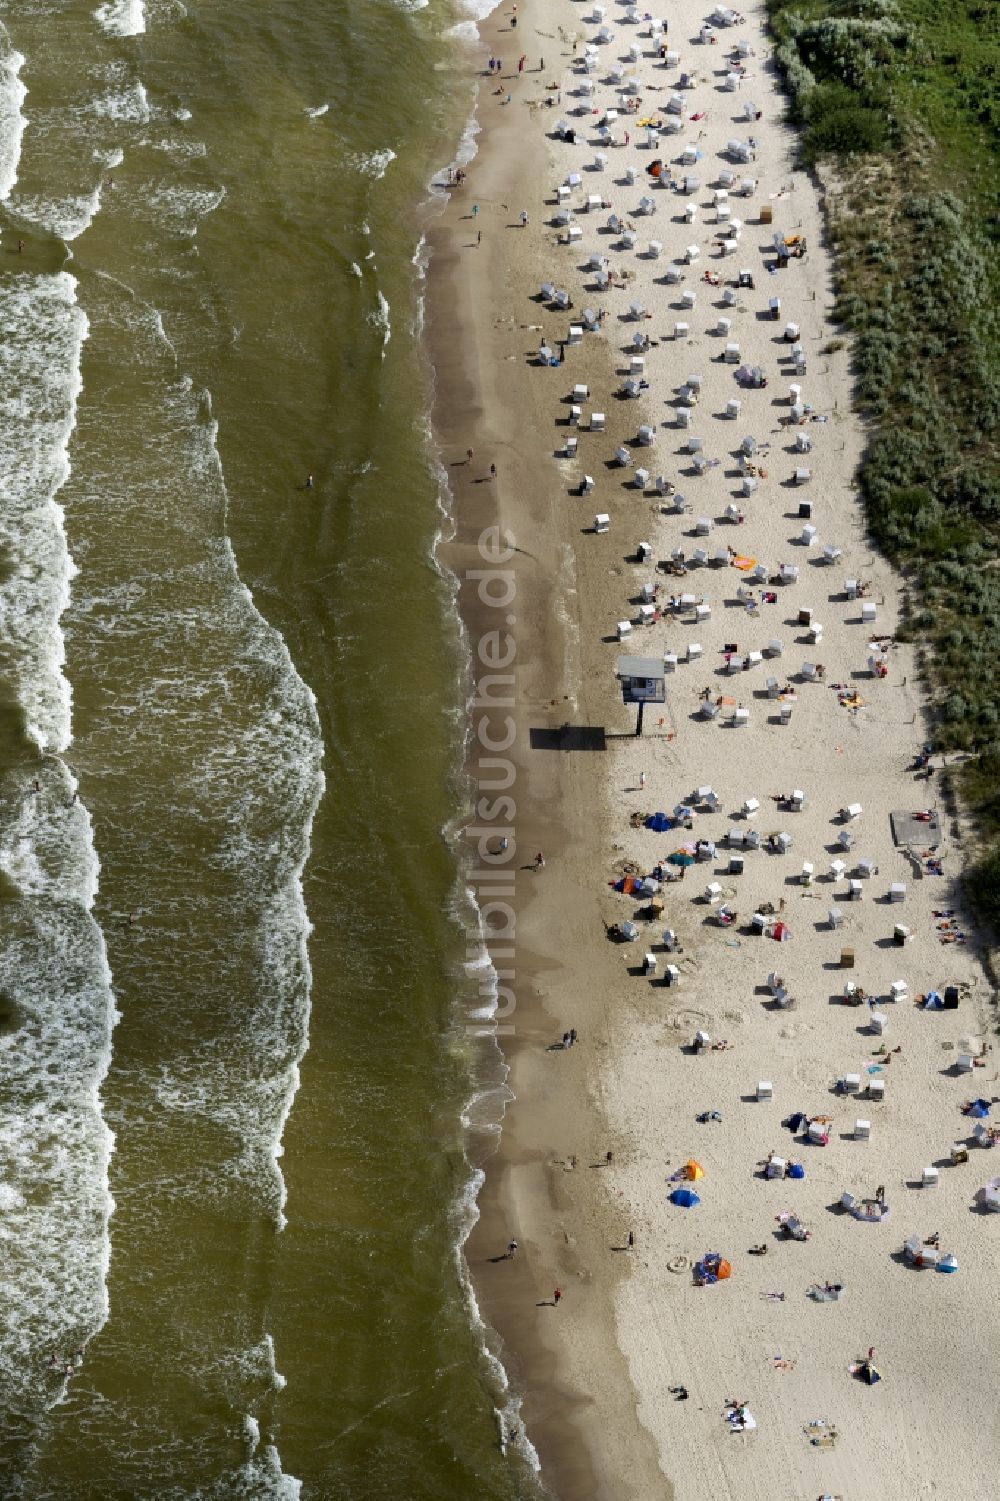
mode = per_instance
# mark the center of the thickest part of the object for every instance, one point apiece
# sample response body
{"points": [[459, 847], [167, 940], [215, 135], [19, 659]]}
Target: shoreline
{"points": [[474, 318], [628, 1324]]}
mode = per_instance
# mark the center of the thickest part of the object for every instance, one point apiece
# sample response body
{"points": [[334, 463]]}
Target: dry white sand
{"points": [[929, 1427]]}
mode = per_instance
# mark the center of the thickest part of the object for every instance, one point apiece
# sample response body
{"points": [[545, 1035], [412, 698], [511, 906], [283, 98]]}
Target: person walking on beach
{"points": [[524, 218], [521, 62], [475, 210], [493, 471], [631, 1240], [309, 481], [557, 1296], [479, 238], [642, 780], [511, 1250], [539, 861], [468, 455]]}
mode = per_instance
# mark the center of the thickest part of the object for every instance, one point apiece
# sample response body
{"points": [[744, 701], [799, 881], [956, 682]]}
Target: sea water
{"points": [[242, 1115]]}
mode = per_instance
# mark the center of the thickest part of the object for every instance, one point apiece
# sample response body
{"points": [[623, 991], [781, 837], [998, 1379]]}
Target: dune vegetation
{"points": [[898, 103]]}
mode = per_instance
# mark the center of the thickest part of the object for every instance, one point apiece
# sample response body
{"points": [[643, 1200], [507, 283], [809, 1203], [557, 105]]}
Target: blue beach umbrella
{"points": [[684, 1198], [658, 822]]}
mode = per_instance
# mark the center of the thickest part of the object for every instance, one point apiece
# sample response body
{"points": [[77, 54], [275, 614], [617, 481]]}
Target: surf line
{"points": [[494, 772]]}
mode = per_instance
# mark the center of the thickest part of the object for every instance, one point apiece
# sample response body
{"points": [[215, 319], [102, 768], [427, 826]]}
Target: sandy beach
{"points": [[782, 618]]}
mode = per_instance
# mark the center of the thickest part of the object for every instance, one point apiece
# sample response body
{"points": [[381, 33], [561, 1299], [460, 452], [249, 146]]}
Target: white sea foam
{"points": [[356, 270], [374, 163], [54, 978], [43, 334], [129, 105], [66, 217], [271, 757], [181, 210], [12, 121], [177, 146], [317, 112], [381, 320], [122, 17], [464, 31]]}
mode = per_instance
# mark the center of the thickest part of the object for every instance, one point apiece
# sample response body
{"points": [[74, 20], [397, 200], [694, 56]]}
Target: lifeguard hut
{"points": [[643, 681]]}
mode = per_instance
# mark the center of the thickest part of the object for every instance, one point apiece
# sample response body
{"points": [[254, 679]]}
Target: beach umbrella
{"points": [[933, 1001], [658, 822], [655, 168], [780, 932], [694, 1170], [680, 858], [869, 1374], [979, 1109], [684, 1198], [796, 1170]]}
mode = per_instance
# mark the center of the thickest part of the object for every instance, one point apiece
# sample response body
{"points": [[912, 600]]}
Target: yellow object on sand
{"points": [[744, 564], [694, 1171]]}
